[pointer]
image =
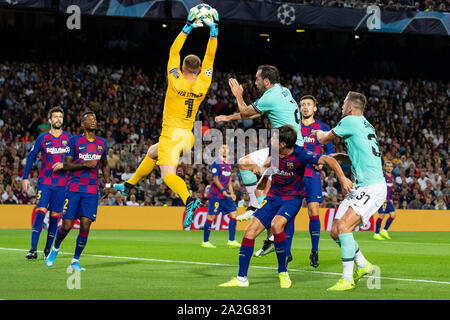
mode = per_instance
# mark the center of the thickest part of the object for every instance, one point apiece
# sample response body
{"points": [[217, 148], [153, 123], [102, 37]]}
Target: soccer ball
{"points": [[203, 12], [286, 14]]}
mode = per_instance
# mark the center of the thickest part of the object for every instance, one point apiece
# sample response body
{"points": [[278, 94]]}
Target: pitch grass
{"points": [[171, 265]]}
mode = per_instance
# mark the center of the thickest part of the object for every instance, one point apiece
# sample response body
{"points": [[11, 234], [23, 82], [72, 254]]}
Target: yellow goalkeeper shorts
{"points": [[172, 143]]}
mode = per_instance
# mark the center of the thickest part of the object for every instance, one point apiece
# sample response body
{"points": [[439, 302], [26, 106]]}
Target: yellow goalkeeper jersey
{"points": [[183, 97]]}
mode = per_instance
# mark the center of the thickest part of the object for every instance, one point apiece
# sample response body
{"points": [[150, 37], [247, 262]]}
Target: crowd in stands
{"points": [[394, 5], [410, 117]]}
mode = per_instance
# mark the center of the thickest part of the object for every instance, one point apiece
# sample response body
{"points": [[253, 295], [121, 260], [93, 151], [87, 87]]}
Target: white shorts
{"points": [[364, 200], [260, 156]]}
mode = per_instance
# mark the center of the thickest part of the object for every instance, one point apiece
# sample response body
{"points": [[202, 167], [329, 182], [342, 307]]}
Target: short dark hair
{"points": [[86, 113], [288, 135], [308, 96], [53, 110], [270, 72]]}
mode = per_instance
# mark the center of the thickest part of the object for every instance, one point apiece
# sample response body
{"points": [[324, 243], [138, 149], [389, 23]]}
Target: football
{"points": [[203, 12]]}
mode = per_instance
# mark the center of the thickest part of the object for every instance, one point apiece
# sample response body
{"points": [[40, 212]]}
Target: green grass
{"points": [[171, 265]]}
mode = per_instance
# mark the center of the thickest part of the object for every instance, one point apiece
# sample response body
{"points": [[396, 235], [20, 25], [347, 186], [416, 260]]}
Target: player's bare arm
{"points": [[346, 184], [237, 90], [69, 165], [235, 116], [324, 137], [341, 157], [106, 173]]}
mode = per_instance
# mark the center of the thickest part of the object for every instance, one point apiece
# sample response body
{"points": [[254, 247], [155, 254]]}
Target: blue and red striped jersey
{"points": [[288, 180], [83, 149], [311, 143], [52, 150], [390, 186], [221, 169]]}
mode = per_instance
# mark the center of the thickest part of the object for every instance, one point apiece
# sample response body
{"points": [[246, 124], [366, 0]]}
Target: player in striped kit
{"points": [[282, 203], [221, 199], [52, 146], [311, 181], [387, 207], [86, 154]]}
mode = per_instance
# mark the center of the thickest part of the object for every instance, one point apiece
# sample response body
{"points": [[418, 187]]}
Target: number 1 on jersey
{"points": [[190, 104]]}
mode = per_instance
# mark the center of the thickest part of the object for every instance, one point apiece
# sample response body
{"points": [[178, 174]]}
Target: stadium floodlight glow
{"points": [[164, 25], [300, 30], [264, 35], [268, 39], [356, 36]]}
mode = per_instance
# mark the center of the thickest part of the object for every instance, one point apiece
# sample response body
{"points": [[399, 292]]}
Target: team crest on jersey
{"points": [[208, 72], [100, 148], [175, 73], [64, 142], [290, 165]]}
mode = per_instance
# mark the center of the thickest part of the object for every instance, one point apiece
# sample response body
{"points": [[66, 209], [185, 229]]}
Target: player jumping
{"points": [[221, 199], [281, 108], [387, 207], [185, 91], [51, 181], [370, 186], [282, 203], [86, 154]]}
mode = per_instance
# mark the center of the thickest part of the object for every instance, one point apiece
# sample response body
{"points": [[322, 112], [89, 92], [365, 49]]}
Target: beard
{"points": [[56, 126]]}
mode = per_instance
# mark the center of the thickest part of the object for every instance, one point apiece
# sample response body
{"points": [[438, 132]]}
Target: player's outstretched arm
{"points": [[235, 116], [246, 112], [341, 157], [324, 137], [346, 184]]}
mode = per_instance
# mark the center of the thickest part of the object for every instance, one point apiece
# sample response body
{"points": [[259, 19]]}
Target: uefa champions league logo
{"points": [[286, 14]]}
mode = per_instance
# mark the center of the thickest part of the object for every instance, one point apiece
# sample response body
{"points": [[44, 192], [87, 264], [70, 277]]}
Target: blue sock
{"points": [[231, 229], [245, 254], [280, 249], [388, 223], [81, 243], [37, 228], [378, 225], [52, 226], [60, 235], [206, 230], [289, 229], [314, 231]]}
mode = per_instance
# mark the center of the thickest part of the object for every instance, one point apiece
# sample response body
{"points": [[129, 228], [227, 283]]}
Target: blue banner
{"points": [[285, 15]]}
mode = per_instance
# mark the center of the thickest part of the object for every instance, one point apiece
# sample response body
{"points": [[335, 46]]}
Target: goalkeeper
{"points": [[185, 91]]}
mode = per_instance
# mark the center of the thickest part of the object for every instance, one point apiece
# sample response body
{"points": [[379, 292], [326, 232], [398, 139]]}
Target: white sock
{"points": [[251, 194], [243, 279], [360, 260], [348, 270], [74, 260]]}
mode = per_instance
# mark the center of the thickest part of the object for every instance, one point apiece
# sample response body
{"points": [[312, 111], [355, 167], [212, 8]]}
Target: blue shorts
{"points": [[313, 189], [225, 206], [80, 204], [275, 205], [51, 198], [386, 207]]}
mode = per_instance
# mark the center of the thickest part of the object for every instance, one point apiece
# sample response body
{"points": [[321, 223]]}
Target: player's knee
{"points": [[342, 227], [250, 234]]}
